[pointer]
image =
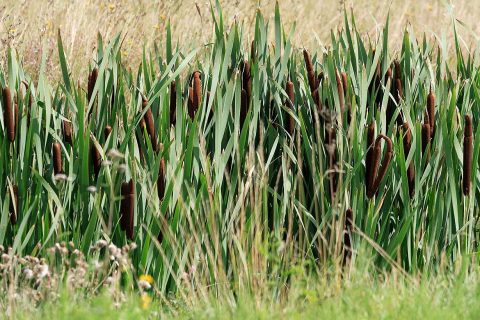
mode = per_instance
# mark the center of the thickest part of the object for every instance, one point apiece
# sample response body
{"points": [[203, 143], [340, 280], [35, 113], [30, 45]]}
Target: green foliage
{"points": [[244, 205]]}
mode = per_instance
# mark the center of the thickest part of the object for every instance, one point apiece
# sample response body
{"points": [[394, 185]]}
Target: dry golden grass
{"points": [[31, 25]]}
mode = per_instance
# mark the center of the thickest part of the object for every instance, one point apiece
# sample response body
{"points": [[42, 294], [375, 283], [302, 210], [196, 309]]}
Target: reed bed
{"points": [[213, 163]]}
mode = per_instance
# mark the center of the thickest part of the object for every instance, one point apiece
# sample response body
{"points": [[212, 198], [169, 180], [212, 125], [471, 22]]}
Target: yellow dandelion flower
{"points": [[146, 277], [111, 7], [12, 31], [145, 301]]}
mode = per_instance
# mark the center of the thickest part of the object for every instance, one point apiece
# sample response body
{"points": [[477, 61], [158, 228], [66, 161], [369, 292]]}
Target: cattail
{"points": [[127, 208], [96, 159], [308, 61], [108, 129], [197, 90], [347, 241], [150, 125], [398, 69], [344, 81], [369, 174], [320, 77], [191, 108], [161, 180], [57, 158], [380, 172], [9, 115], [173, 103], [431, 111], [247, 78], [253, 51], [467, 155], [67, 132], [142, 130], [92, 79], [14, 205], [312, 79], [243, 107], [331, 150], [291, 96], [407, 143]]}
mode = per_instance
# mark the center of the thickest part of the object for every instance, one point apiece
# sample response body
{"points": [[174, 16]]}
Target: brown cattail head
{"points": [[291, 96], [107, 131], [127, 208], [161, 180], [9, 114], [96, 159], [13, 204], [380, 172], [431, 111], [246, 78], [253, 51], [347, 241], [57, 158], [173, 103], [67, 132], [369, 174], [467, 154], [344, 80], [308, 61], [243, 107], [92, 79], [398, 89], [388, 74], [197, 90], [398, 69], [331, 136], [407, 144], [150, 125], [426, 138]]}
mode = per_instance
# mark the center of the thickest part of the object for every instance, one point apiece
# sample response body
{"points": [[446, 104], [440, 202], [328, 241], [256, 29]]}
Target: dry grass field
{"points": [[30, 25]]}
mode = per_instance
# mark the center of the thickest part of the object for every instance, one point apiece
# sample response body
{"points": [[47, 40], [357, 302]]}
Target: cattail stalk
{"points": [[291, 96], [127, 208], [67, 132], [243, 107], [161, 180], [191, 108], [467, 154], [92, 79], [173, 103], [380, 172], [407, 144], [57, 158], [431, 111], [347, 233], [9, 115], [369, 174], [107, 131], [96, 159]]}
